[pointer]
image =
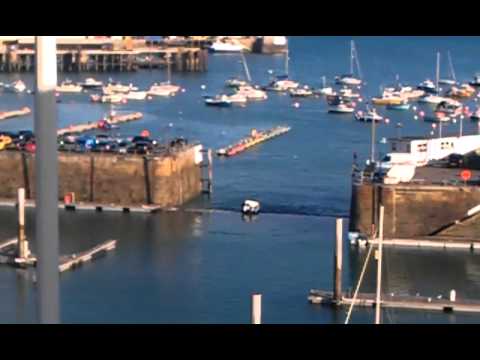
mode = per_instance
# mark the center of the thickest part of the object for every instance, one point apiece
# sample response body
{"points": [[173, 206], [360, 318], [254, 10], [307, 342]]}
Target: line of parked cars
{"points": [[24, 140]]}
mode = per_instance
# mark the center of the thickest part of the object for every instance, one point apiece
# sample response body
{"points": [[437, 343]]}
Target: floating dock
{"points": [[397, 302], [74, 260], [112, 120], [255, 138], [14, 113]]}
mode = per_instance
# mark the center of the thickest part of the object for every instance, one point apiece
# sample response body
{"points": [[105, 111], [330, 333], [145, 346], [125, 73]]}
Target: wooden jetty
{"points": [[74, 260], [396, 301], [87, 206], [255, 138], [112, 120], [14, 113]]}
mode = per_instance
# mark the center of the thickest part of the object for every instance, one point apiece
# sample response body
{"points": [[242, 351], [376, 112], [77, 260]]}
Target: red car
{"points": [[31, 146]]}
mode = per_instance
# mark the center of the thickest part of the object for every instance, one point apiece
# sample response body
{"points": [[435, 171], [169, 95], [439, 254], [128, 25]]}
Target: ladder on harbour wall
{"points": [[206, 171]]}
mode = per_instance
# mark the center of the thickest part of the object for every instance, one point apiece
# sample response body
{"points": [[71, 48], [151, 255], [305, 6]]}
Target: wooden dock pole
{"points": [[23, 250], [337, 264], [379, 267], [256, 309]]}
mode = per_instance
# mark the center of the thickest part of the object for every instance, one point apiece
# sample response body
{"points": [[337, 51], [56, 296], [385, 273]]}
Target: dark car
{"points": [[456, 160], [137, 139], [84, 143], [140, 147]]}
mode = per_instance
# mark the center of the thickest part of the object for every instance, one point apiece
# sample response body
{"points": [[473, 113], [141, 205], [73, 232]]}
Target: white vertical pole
{"points": [[256, 308], [379, 267], [338, 261], [46, 179], [22, 249]]}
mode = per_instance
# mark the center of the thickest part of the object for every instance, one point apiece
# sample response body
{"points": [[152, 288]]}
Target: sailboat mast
{"points": [[352, 45], [169, 75], [286, 63], [245, 66], [437, 74], [452, 71]]}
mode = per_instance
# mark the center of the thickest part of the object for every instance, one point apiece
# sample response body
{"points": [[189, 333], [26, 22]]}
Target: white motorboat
{"points": [[348, 93], [301, 92], [235, 83], [15, 87], [91, 83], [135, 95], [428, 86], [238, 98], [432, 99], [115, 88], [68, 86], [341, 108], [252, 93], [250, 207], [163, 89], [368, 116], [476, 81], [114, 98], [225, 47], [324, 90]]}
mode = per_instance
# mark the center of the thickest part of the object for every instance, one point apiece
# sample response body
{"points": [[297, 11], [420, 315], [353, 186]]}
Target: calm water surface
{"points": [[193, 267]]}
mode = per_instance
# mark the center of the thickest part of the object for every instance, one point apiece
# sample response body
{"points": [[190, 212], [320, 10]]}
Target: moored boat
{"points": [[135, 95], [91, 83], [402, 106], [368, 116], [68, 86], [301, 92], [341, 108], [219, 100]]}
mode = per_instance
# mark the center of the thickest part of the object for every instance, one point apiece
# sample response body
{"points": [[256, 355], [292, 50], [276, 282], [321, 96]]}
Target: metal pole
{"points": [[46, 180], [22, 243], [372, 155], [338, 262], [379, 267], [256, 309]]}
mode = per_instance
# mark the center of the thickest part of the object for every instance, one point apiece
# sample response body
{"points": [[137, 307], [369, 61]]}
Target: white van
{"points": [[392, 159]]}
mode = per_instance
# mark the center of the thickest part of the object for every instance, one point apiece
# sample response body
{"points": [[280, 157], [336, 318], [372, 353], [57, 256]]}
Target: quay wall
{"points": [[123, 180], [410, 210]]}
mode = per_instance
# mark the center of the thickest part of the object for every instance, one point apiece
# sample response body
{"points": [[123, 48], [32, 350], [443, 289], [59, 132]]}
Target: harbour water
{"points": [[201, 267]]}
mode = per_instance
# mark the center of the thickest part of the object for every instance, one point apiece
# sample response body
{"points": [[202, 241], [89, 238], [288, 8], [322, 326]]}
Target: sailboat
{"points": [[282, 83], [236, 82], [452, 80], [350, 79], [246, 90], [164, 88], [324, 90], [431, 89]]}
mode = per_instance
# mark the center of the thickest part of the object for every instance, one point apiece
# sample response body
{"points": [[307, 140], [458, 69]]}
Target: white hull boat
{"points": [[225, 47], [136, 95]]}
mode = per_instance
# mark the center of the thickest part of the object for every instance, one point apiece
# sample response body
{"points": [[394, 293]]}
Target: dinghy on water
{"points": [[250, 207]]}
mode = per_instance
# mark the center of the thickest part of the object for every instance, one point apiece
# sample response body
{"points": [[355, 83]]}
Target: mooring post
{"points": [[379, 266], [23, 251], [337, 271], [256, 308]]}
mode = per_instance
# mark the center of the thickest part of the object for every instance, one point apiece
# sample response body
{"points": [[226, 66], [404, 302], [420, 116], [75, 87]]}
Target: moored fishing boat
{"points": [[163, 89], [388, 99], [252, 93]]}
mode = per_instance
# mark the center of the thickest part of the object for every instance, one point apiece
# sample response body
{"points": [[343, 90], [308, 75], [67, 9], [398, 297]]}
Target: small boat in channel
{"points": [[68, 86]]}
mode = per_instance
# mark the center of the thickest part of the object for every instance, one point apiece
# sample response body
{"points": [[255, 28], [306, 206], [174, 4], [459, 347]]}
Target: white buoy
{"points": [[414, 108], [296, 105], [415, 117], [429, 299], [183, 90], [203, 87], [170, 124], [453, 295], [454, 121]]}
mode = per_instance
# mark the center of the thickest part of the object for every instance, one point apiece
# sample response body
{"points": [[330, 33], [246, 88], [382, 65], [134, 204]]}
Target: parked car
{"points": [[140, 147], [455, 160]]}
